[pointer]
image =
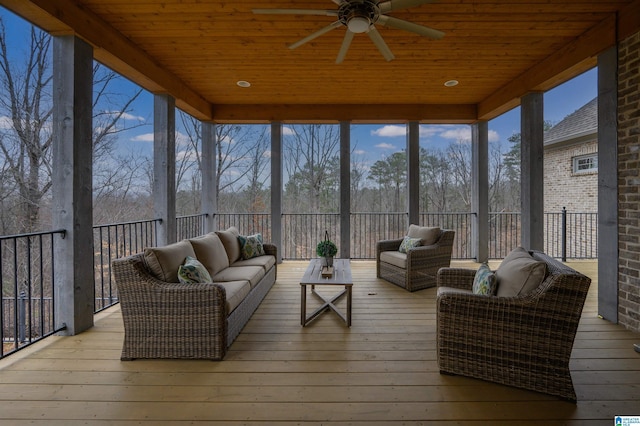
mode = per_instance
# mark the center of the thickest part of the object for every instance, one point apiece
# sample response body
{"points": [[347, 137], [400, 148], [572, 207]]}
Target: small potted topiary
{"points": [[327, 250]]}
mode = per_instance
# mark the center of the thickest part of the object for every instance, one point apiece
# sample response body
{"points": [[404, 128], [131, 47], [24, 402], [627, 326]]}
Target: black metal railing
{"points": [[27, 283], [111, 242], [190, 226]]}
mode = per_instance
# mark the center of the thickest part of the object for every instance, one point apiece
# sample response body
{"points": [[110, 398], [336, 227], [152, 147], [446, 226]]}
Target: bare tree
{"points": [[25, 101], [311, 162]]}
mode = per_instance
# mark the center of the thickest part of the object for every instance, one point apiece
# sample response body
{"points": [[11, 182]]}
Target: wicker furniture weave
{"points": [[423, 262], [522, 341], [173, 320]]}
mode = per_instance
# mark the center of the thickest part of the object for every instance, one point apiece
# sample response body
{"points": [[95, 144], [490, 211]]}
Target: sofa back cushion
{"points": [[231, 244], [426, 234], [519, 274], [210, 252], [163, 262]]}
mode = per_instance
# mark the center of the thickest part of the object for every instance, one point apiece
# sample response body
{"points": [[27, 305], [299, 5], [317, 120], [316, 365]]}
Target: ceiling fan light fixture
{"points": [[358, 24], [243, 83], [451, 83]]}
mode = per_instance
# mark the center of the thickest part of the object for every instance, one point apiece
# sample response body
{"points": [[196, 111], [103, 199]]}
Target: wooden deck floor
{"points": [[381, 371]]}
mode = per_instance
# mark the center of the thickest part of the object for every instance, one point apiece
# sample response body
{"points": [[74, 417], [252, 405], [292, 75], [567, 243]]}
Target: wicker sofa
{"points": [[523, 341], [164, 318], [417, 268]]}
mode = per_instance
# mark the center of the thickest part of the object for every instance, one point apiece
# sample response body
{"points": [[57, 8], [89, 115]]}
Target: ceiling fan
{"points": [[360, 16]]}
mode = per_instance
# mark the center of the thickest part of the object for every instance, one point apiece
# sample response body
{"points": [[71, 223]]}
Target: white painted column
{"points": [[532, 171], [480, 190], [72, 183], [164, 167]]}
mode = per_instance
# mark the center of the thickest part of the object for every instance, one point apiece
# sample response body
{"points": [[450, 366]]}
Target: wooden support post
{"points": [[276, 187], [413, 172], [164, 167], [72, 183], [480, 190], [608, 185], [532, 171], [209, 184], [345, 189]]}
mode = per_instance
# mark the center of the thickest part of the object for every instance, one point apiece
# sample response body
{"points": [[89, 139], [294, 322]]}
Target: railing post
{"points": [[564, 234], [22, 317]]}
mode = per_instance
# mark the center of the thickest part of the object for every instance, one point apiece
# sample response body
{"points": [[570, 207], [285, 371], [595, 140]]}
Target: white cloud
{"points": [[287, 131], [127, 116], [6, 123], [390, 131], [428, 131], [493, 136], [266, 154], [145, 137], [385, 146], [359, 152], [462, 133]]}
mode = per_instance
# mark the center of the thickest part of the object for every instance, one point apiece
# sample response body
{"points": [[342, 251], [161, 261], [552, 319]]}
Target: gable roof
{"points": [[576, 127]]}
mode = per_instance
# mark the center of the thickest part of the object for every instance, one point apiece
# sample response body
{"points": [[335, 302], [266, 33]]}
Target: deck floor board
{"points": [[381, 371]]}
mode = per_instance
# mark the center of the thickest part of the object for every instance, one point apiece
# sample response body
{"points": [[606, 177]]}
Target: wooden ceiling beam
{"points": [[111, 48], [295, 113], [573, 59]]}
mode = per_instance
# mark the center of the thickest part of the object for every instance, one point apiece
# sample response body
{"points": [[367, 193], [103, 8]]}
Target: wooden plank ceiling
{"points": [[197, 50]]}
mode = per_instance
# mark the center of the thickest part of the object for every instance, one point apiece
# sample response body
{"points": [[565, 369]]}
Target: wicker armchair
{"points": [[523, 341], [421, 265]]}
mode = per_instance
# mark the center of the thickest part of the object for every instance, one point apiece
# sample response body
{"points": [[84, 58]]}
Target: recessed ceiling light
{"points": [[451, 83], [243, 83]]}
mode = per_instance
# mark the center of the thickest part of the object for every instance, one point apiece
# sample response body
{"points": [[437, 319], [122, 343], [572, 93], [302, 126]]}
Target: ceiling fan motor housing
{"points": [[358, 15]]}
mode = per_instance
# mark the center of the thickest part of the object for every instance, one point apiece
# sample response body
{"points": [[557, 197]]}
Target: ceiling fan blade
{"points": [[400, 24], [316, 34], [338, 2], [376, 38], [295, 12], [388, 6], [346, 42]]}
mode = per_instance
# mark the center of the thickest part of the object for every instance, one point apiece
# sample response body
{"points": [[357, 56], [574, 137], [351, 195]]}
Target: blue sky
{"points": [[376, 141]]}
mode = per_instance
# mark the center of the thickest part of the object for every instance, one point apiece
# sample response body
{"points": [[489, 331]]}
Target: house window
{"points": [[585, 163]]}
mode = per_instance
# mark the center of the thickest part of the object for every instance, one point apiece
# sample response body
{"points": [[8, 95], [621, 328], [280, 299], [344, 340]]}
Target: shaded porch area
{"points": [[383, 370]]}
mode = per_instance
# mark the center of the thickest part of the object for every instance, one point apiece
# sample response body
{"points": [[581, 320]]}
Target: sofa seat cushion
{"points": [[394, 258], [163, 262], [519, 274], [236, 291], [253, 274], [231, 243], [210, 252], [427, 234], [265, 261]]}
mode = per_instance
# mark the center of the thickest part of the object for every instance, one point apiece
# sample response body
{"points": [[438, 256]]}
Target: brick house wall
{"points": [[629, 182], [578, 192]]}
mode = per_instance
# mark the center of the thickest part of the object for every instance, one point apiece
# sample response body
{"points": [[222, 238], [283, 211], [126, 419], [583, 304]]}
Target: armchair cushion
{"points": [[426, 234], [394, 258], [484, 282], [519, 274], [409, 243]]}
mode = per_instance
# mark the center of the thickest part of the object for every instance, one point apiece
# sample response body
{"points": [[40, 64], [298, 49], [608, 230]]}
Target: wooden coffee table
{"points": [[313, 277]]}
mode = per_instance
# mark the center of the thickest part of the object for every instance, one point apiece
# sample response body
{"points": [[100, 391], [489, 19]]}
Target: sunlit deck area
{"points": [[381, 371]]}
